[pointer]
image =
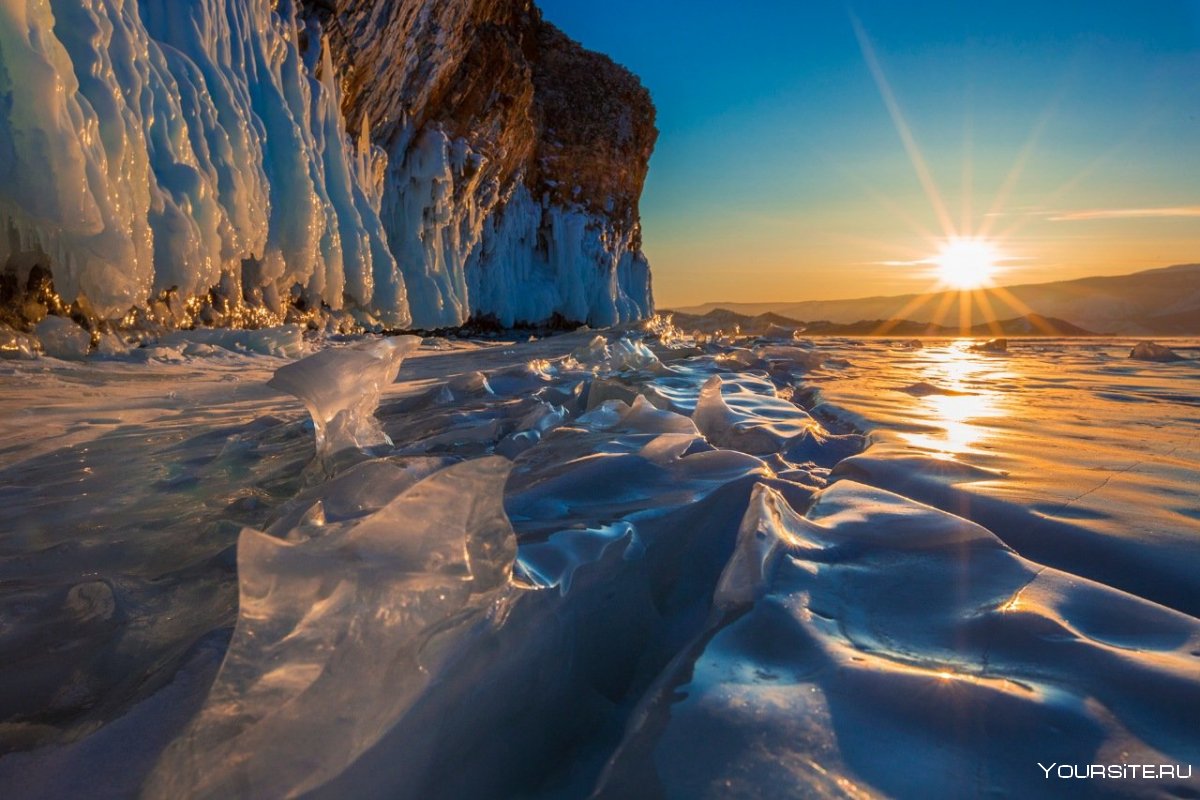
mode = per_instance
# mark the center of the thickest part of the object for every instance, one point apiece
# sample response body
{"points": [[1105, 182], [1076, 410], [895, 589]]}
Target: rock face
{"points": [[416, 162], [515, 157]]}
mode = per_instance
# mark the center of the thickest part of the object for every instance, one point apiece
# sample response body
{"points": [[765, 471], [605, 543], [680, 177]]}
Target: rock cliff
{"points": [[241, 162]]}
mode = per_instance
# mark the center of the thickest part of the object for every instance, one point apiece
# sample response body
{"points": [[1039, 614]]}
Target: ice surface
{"points": [[531, 428], [1017, 449], [553, 563], [618, 355], [360, 490], [926, 389], [764, 537], [795, 358], [341, 390], [885, 647], [899, 592], [774, 331]]}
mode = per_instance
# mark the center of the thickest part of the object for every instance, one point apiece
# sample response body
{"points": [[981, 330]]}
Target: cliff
{"points": [[244, 162]]}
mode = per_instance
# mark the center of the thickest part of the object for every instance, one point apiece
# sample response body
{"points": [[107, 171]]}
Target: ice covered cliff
{"points": [[240, 161]]}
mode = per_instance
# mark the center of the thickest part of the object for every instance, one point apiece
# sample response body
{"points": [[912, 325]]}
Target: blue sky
{"points": [[1068, 132]]}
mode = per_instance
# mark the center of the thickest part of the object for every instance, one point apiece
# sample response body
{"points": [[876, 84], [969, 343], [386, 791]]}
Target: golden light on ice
{"points": [[966, 263]]}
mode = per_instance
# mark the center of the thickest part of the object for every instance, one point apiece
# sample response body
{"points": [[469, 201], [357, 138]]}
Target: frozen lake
{"points": [[1095, 456], [602, 567]]}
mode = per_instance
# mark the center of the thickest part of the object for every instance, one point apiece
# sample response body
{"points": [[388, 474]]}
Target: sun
{"points": [[966, 263]]}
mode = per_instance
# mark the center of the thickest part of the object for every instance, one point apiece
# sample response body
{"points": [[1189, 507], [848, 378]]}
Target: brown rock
{"points": [[571, 124]]}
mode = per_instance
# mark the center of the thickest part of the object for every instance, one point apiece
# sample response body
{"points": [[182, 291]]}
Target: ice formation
{"points": [[284, 341], [341, 389], [746, 421], [621, 354], [1152, 351], [875, 636], [588, 271], [379, 605], [154, 146], [991, 346], [62, 338], [14, 344]]}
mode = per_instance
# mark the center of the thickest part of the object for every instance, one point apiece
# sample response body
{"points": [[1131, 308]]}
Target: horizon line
{"points": [[678, 306]]}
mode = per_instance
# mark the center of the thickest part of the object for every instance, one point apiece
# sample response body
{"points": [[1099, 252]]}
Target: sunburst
{"points": [[966, 263], [966, 259]]}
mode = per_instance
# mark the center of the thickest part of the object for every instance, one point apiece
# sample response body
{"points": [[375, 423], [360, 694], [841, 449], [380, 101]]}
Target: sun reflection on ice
{"points": [[966, 400], [958, 415]]}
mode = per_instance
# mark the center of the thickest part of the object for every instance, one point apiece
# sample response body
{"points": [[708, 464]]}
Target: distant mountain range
{"points": [[1161, 302], [722, 319]]}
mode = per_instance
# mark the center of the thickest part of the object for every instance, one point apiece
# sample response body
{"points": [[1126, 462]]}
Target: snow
{"points": [[152, 145], [751, 573]]}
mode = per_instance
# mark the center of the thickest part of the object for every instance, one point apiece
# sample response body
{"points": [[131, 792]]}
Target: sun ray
{"points": [[968, 257], [1024, 310], [898, 211], [1011, 300], [968, 176], [900, 255], [943, 308], [1108, 155], [906, 136], [1018, 167], [891, 206], [913, 305], [989, 315]]}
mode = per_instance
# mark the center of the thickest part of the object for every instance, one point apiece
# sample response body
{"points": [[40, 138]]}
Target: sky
{"points": [[821, 150]]}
